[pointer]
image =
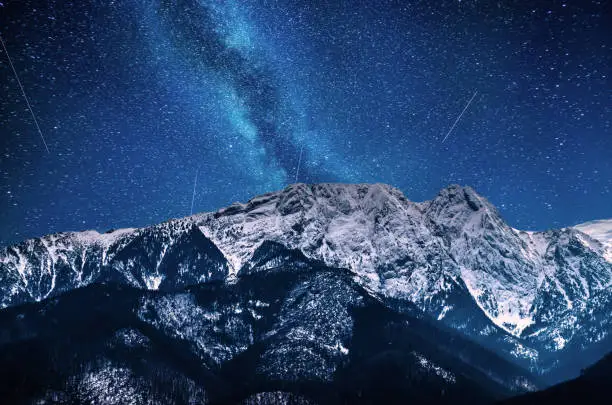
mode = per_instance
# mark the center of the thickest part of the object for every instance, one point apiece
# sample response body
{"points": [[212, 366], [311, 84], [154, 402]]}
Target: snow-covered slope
{"points": [[453, 256], [169, 255], [292, 324], [601, 231], [416, 250], [37, 268]]}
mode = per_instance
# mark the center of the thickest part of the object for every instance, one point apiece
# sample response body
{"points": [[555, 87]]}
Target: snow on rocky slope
{"points": [[430, 253], [37, 268], [169, 255], [417, 250], [601, 231], [291, 324]]}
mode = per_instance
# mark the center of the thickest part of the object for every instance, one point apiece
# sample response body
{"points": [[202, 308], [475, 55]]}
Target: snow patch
{"points": [[153, 281], [437, 370]]}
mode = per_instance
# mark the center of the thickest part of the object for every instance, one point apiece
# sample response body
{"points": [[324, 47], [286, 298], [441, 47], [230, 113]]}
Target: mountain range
{"points": [[322, 293]]}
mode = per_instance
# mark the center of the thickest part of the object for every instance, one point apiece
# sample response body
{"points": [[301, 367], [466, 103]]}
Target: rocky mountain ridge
{"points": [[453, 257], [291, 330]]}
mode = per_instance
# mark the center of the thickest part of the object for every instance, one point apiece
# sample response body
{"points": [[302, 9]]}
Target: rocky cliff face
{"points": [[530, 296]]}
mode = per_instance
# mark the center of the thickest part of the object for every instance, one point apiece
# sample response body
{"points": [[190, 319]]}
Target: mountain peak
{"points": [[462, 195], [326, 197], [357, 191], [411, 250], [601, 231]]}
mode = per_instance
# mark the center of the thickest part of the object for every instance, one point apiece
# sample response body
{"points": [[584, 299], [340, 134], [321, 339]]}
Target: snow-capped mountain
{"points": [[290, 331], [521, 293], [600, 231], [171, 255], [419, 251]]}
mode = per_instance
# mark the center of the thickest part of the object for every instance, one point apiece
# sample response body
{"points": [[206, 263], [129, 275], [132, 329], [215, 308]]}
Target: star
{"points": [[135, 97]]}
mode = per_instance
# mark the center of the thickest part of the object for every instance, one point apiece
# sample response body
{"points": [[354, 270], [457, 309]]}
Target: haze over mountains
{"points": [[303, 287]]}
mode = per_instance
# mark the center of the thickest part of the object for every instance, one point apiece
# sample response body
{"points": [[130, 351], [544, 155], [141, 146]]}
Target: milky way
{"points": [[135, 97]]}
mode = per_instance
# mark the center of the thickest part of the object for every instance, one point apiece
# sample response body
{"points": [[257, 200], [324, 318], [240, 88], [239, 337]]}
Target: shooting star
{"points": [[195, 182], [459, 117], [24, 94], [297, 172]]}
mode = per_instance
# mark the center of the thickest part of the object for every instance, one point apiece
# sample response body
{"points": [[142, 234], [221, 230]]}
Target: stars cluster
{"points": [[134, 97]]}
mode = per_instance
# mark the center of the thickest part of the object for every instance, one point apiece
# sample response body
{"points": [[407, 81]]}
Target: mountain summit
{"points": [[414, 250], [534, 297]]}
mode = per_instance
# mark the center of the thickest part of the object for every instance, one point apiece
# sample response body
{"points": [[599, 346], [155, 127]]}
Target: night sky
{"points": [[134, 97]]}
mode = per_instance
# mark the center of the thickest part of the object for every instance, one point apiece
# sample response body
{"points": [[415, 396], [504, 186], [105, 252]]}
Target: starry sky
{"points": [[135, 97]]}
